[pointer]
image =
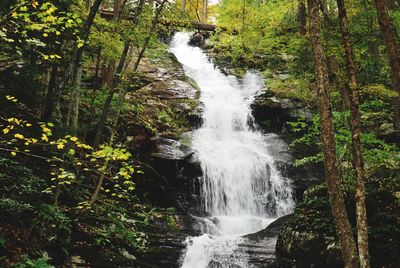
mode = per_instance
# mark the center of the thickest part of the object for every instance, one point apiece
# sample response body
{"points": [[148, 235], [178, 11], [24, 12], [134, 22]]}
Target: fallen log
{"points": [[186, 24]]}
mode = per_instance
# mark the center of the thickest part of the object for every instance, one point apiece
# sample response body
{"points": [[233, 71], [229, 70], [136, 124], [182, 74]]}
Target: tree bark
{"points": [[183, 5], [355, 125], [323, 5], [302, 17], [388, 31], [73, 111], [96, 75], [51, 94], [109, 73], [343, 227], [107, 104], [204, 10]]}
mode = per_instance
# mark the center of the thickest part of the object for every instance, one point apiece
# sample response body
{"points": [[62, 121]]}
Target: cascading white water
{"points": [[241, 188]]}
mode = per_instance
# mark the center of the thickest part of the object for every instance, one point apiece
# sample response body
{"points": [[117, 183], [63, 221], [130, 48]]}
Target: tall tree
{"points": [[388, 31], [355, 125], [73, 111], [343, 227], [122, 95], [107, 104]]}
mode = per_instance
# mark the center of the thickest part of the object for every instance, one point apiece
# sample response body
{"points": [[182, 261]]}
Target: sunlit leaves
{"points": [[69, 156], [41, 26]]}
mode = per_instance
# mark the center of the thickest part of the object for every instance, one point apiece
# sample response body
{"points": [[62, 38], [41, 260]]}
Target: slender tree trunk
{"points": [[204, 10], [387, 29], [302, 17], [355, 125], [109, 73], [343, 227], [120, 69], [73, 112], [108, 78], [183, 5], [323, 5], [107, 103], [51, 94], [96, 75]]}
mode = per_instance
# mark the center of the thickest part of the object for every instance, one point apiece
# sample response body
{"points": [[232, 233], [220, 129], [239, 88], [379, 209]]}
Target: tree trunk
{"points": [[149, 34], [107, 104], [51, 94], [73, 111], [343, 228], [123, 59], [355, 125], [96, 75], [109, 73], [204, 10], [323, 5], [183, 5], [302, 17], [387, 29]]}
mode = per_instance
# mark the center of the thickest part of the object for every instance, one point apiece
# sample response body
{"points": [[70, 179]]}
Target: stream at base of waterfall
{"points": [[242, 190]]}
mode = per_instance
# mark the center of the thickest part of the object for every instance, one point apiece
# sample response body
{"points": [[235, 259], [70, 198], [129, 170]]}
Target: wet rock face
{"points": [[272, 113], [300, 177], [173, 89], [166, 245], [260, 246], [179, 166]]}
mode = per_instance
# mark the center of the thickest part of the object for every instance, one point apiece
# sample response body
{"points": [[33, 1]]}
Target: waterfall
{"points": [[242, 189]]}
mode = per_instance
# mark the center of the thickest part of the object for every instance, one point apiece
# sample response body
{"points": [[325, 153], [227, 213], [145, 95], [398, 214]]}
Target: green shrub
{"points": [[41, 262], [51, 223]]}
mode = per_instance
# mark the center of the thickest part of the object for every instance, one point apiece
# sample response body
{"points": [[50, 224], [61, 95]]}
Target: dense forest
{"points": [[231, 133]]}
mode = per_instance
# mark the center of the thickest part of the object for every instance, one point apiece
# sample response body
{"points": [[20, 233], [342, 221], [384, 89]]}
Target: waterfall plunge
{"points": [[242, 190]]}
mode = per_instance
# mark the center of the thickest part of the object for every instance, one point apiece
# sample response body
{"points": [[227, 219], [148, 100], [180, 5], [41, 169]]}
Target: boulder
{"points": [[179, 166], [197, 40], [272, 113], [260, 246], [173, 89]]}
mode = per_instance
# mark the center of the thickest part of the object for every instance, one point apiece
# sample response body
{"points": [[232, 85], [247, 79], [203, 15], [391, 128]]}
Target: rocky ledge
{"points": [[272, 113], [260, 246]]}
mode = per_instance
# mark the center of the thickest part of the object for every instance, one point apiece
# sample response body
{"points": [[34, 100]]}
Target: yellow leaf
{"points": [[45, 138], [19, 136], [6, 130], [13, 153], [60, 146], [35, 3]]}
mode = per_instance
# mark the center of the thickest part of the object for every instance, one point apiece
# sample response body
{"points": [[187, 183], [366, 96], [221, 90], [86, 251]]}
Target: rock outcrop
{"points": [[272, 113], [260, 246]]}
